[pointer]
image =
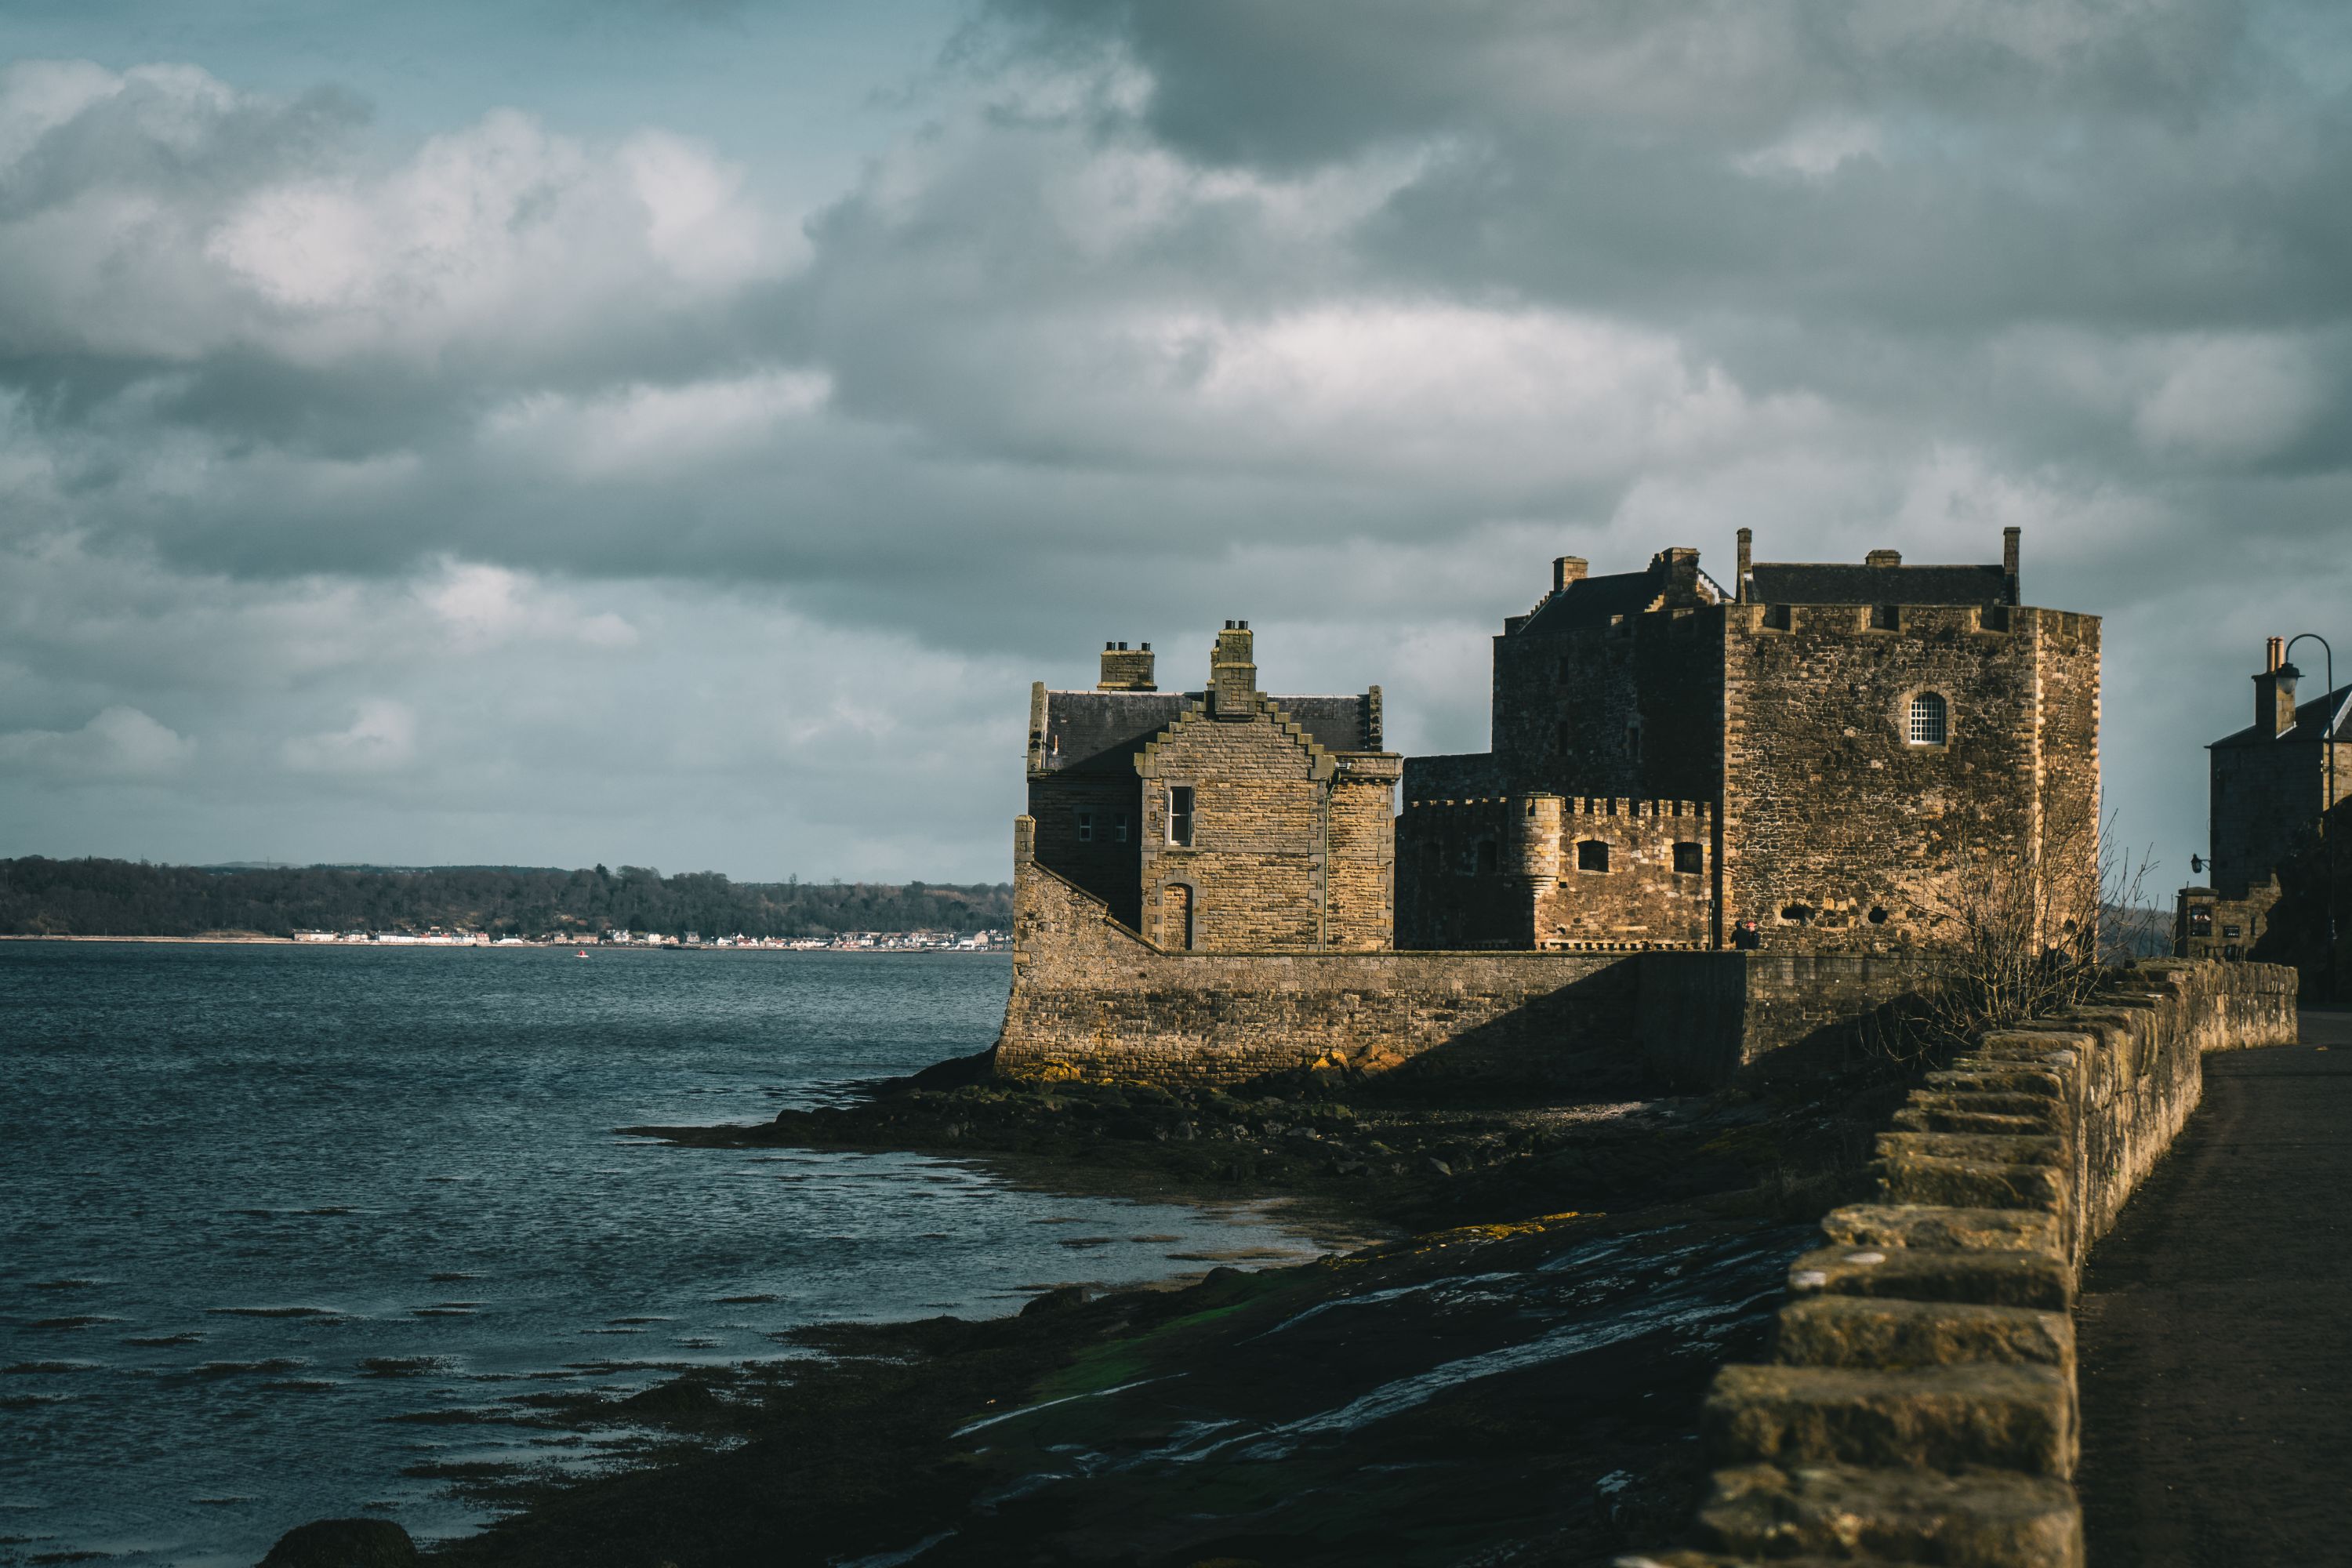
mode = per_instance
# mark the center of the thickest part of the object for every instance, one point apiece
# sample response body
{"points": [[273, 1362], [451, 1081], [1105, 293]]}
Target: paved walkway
{"points": [[2216, 1328]]}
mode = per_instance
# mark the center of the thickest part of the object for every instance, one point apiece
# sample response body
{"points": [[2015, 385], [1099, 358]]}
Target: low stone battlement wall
{"points": [[1093, 999], [1921, 1406]]}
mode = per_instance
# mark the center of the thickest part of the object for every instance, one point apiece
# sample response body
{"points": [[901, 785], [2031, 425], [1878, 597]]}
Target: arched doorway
{"points": [[1176, 917]]}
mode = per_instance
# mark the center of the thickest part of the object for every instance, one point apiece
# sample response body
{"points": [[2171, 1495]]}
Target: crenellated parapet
{"points": [[1550, 871]]}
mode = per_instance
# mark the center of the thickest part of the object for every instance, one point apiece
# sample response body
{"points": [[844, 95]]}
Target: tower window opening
{"points": [[1085, 827], [1690, 860], [1930, 720], [1179, 814], [1591, 854]]}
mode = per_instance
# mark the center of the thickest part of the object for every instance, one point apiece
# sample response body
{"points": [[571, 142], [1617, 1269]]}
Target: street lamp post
{"points": [[2328, 739]]}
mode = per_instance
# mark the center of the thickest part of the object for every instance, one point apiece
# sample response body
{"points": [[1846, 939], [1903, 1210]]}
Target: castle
{"points": [[1807, 764]]}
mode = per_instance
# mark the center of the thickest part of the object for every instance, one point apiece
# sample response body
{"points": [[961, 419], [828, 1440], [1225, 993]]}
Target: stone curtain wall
{"points": [[1640, 899], [1530, 891], [1921, 1404], [1091, 999], [1444, 901], [1707, 1017], [1830, 811]]}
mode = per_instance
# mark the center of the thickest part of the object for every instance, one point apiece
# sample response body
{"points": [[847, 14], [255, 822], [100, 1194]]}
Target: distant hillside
{"points": [[123, 898]]}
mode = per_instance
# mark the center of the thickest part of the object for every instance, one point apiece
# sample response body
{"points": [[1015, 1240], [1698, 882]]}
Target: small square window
{"points": [[1085, 827], [1690, 860], [1179, 814], [1591, 854], [1886, 617]]}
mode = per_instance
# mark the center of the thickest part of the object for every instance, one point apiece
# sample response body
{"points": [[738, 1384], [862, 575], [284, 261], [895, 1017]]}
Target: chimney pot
{"points": [[2273, 653]]}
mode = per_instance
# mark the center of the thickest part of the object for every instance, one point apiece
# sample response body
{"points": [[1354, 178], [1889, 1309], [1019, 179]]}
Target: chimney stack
{"points": [[1126, 670], [1232, 673], [1746, 564], [1567, 569], [2008, 537], [1677, 564], [2274, 692], [1883, 558]]}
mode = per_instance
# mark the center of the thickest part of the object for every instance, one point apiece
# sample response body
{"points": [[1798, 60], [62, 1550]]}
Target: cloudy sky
{"points": [[676, 433]]}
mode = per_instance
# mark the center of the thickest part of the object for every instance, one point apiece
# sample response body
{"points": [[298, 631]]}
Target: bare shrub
{"points": [[2011, 938]]}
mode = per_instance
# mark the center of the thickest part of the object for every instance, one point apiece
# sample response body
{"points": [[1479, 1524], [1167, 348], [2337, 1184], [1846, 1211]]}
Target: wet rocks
{"points": [[343, 1543]]}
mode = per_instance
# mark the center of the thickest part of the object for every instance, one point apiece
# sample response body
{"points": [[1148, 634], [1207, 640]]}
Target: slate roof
{"points": [[1596, 601], [2311, 723], [1837, 583], [1102, 730]]}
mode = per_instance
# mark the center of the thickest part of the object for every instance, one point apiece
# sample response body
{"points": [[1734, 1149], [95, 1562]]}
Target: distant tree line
{"points": [[124, 898]]}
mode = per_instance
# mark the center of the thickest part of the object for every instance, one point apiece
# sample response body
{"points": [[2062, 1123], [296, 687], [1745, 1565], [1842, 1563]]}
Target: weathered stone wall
{"points": [[1361, 856], [2265, 801], [1921, 1404], [1262, 837], [1509, 873], [1633, 708], [1839, 833], [1462, 886], [1707, 1017], [1640, 899], [1093, 999], [1089, 830]]}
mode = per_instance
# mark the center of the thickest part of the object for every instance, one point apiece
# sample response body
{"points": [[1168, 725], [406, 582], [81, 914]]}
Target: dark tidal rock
{"points": [[343, 1543]]}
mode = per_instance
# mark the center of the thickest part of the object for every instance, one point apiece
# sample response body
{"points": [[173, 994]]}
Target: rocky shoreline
{"points": [[1605, 1255]]}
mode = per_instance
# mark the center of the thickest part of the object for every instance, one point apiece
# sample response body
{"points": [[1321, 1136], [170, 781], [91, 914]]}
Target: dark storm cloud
{"points": [[1341, 317]]}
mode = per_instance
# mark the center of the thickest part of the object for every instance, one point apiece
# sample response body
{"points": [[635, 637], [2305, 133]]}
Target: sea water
{"points": [[259, 1203]]}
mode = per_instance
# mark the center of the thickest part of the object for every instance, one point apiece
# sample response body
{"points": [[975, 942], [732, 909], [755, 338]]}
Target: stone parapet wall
{"points": [[1921, 1405], [1091, 999]]}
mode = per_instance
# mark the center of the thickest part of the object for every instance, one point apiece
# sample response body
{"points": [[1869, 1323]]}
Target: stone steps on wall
{"points": [[1885, 1331], [2014, 1417], [1985, 1520], [1990, 1279]]}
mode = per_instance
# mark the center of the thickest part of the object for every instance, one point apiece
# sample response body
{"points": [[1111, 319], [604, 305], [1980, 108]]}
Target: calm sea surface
{"points": [[239, 1185]]}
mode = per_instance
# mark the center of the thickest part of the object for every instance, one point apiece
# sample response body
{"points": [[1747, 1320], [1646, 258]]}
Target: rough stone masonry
{"points": [[1810, 765]]}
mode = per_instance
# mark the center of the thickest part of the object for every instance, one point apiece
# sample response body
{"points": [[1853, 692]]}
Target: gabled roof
{"points": [[1839, 583], [1102, 730], [2321, 716], [1591, 602]]}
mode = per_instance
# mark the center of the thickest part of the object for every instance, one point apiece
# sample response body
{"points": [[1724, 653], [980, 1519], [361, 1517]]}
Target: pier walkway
{"points": [[2215, 1327]]}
